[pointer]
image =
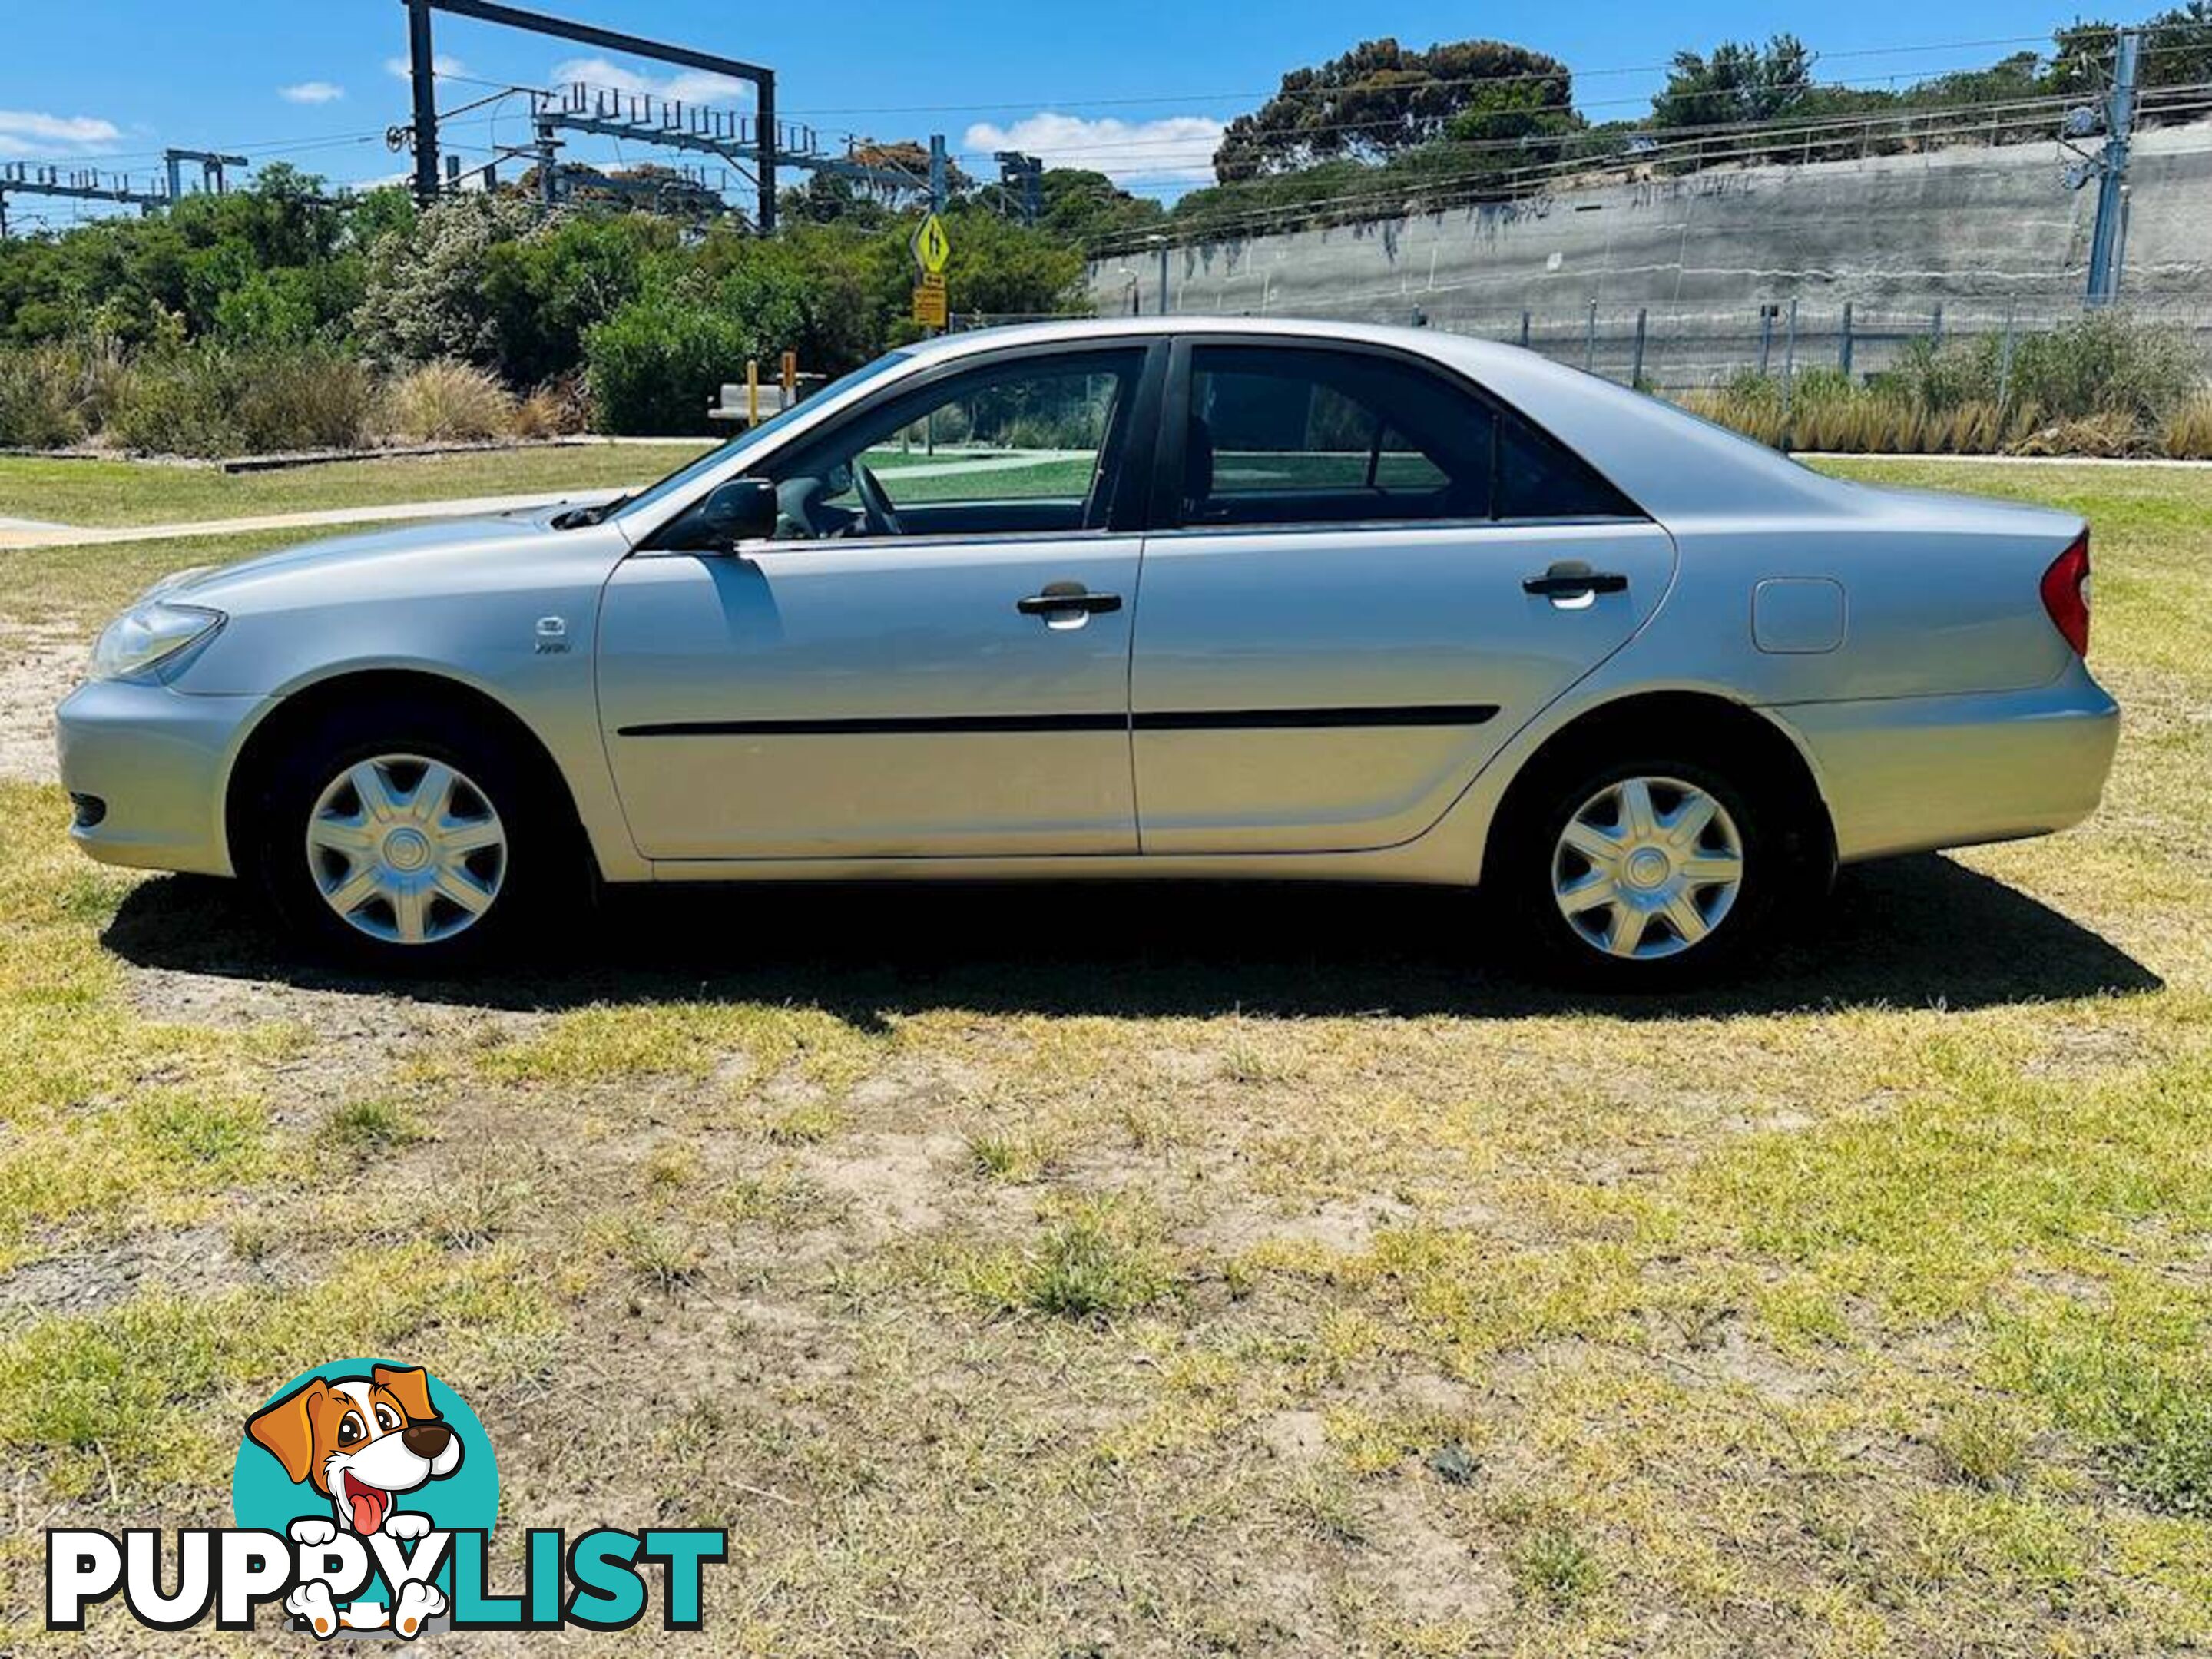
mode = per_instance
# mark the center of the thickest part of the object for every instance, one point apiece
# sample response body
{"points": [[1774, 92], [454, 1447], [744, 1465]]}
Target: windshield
{"points": [[715, 458]]}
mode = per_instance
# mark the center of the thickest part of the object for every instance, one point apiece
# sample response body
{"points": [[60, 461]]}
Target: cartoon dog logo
{"points": [[362, 1442]]}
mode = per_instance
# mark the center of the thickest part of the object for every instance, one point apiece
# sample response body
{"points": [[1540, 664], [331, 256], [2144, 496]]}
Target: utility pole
{"points": [[423, 61], [764, 113], [939, 171], [2107, 240]]}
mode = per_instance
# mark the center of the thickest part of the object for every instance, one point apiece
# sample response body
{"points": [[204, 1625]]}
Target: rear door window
{"points": [[1285, 436]]}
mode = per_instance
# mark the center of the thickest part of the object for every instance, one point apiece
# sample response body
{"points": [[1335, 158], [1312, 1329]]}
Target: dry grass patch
{"points": [[1196, 1288]]}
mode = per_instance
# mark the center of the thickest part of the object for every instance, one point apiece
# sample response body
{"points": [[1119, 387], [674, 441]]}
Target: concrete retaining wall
{"points": [[1981, 233]]}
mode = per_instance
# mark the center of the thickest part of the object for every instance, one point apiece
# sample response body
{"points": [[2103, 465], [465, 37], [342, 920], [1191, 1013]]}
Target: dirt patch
{"points": [[896, 1183], [39, 666], [1425, 1572], [196, 1262]]}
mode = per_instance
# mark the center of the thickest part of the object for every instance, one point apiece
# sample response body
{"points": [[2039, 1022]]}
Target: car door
{"points": [[1367, 576], [932, 657]]}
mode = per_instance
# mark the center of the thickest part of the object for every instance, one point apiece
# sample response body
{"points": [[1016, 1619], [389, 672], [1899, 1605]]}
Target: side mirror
{"points": [[741, 510]]}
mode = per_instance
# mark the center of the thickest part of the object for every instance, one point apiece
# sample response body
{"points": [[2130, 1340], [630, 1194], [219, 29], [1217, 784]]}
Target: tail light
{"points": [[2066, 594]]}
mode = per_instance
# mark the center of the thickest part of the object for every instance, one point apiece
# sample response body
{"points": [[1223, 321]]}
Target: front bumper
{"points": [[157, 762], [1909, 775]]}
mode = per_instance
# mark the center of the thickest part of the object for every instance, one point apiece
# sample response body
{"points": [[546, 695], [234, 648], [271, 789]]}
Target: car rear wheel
{"points": [[405, 839], [1647, 872]]}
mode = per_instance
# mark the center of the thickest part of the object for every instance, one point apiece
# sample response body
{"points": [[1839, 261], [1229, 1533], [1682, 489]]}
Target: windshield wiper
{"points": [[577, 517]]}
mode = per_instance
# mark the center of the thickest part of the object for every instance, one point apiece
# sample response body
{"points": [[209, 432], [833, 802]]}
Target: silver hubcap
{"points": [[406, 850], [1647, 867]]}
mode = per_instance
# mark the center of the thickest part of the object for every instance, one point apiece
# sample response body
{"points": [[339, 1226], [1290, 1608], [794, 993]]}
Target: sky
{"points": [[1138, 89]]}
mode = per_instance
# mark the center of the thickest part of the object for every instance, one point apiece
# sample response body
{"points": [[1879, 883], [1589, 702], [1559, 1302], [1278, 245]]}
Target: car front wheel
{"points": [[412, 842]]}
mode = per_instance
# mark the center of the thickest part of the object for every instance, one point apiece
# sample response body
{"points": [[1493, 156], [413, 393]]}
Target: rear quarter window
{"points": [[1540, 477]]}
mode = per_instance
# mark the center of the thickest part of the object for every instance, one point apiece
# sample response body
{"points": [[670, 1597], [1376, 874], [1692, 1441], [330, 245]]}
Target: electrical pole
{"points": [[764, 99], [939, 189], [422, 61], [2105, 241]]}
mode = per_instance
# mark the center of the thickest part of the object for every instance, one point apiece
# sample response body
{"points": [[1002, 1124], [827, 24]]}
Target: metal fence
{"points": [[1679, 349], [1672, 351]]}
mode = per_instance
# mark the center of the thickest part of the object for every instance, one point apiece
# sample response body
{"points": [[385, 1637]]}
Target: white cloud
{"points": [[686, 86], [311, 92], [1176, 149], [27, 135], [399, 68]]}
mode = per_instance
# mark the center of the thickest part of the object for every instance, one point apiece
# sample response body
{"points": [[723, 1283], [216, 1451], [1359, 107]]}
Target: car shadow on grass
{"points": [[1915, 931]]}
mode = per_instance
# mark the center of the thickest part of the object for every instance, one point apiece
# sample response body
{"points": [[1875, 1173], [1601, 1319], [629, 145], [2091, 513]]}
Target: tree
{"points": [[1380, 99], [1081, 205], [1739, 81], [827, 200], [545, 290], [2177, 52]]}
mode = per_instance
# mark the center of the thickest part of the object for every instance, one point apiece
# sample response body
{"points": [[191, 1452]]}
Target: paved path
{"points": [[16, 533]]}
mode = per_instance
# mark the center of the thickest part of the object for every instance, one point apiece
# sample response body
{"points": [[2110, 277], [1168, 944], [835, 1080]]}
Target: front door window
{"points": [[1026, 447]]}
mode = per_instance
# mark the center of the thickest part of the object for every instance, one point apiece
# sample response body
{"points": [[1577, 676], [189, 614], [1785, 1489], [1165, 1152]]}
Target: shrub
{"points": [[179, 402], [655, 366], [50, 395], [427, 283], [309, 399], [210, 400], [2188, 432], [2106, 363], [2101, 363], [558, 409], [448, 403]]}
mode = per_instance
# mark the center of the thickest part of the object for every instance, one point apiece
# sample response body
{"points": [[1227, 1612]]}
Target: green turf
{"points": [[104, 493]]}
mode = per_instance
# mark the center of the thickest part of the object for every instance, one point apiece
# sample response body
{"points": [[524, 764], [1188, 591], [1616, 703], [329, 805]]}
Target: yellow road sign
{"points": [[930, 308], [932, 248]]}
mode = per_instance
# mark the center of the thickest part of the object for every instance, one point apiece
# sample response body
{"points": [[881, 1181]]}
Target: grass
{"points": [[116, 493], [1231, 1274]]}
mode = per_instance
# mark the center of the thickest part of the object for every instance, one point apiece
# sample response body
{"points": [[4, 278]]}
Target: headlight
{"points": [[149, 634]]}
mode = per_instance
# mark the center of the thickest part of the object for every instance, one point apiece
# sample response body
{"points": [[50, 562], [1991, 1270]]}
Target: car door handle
{"points": [[1052, 603], [1565, 580]]}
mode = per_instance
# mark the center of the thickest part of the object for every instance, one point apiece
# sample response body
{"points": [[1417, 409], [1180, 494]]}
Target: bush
{"points": [[209, 400], [2104, 383], [2106, 363], [51, 396], [558, 409], [655, 366], [2102, 362], [2188, 433], [178, 402], [448, 403], [310, 399]]}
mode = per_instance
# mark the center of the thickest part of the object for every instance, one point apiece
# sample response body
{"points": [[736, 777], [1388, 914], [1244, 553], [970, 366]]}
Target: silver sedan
{"points": [[1174, 598]]}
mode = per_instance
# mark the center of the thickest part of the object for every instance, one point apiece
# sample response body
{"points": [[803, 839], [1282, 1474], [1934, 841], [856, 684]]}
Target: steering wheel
{"points": [[882, 519]]}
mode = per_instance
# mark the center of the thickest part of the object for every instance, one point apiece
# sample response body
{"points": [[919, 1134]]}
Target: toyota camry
{"points": [[1145, 598]]}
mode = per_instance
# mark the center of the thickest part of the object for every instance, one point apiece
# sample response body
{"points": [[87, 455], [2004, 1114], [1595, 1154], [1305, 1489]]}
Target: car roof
{"points": [[1671, 464]]}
